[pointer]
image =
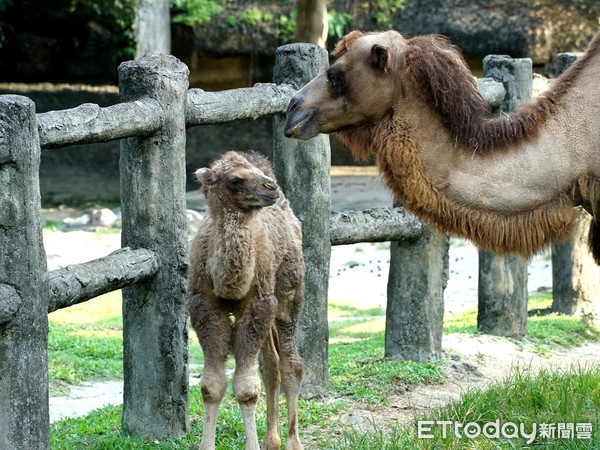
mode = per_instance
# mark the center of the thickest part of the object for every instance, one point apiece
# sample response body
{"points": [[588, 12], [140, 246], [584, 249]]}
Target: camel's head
{"points": [[233, 182], [358, 88], [378, 76]]}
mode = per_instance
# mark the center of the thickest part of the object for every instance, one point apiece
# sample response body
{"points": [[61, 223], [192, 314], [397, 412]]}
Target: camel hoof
{"points": [[293, 443], [272, 443]]}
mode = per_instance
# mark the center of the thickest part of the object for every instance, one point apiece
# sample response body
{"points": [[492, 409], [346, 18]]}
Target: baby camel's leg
{"points": [[292, 369], [269, 367], [250, 331], [214, 332]]}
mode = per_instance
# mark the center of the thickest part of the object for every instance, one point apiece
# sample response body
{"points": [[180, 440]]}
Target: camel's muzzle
{"points": [[300, 124]]}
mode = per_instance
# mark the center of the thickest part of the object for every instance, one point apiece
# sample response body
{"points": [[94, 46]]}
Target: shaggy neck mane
{"points": [[402, 171]]}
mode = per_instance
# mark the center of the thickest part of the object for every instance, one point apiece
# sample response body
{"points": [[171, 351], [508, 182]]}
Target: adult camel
{"points": [[509, 183]]}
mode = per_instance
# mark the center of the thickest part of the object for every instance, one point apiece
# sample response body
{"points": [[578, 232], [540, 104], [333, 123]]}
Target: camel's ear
{"points": [[346, 42], [205, 176], [380, 58]]}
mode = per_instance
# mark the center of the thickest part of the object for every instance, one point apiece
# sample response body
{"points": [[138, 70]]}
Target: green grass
{"points": [[85, 344], [550, 397]]}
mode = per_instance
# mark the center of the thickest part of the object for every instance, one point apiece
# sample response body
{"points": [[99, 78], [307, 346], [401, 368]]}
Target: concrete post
{"points": [[575, 275], [502, 308], [303, 172], [415, 305], [153, 203], [24, 419]]}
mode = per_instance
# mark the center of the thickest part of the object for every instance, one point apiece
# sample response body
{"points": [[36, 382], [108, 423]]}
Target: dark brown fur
{"points": [[442, 78]]}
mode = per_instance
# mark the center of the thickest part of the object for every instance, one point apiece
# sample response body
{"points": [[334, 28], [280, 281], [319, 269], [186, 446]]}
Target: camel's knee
{"points": [[246, 389], [213, 387]]}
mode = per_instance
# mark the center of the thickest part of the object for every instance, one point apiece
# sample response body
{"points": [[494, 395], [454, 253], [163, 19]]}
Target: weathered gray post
{"points": [[502, 294], [575, 275], [415, 303], [303, 171], [153, 203], [24, 420]]}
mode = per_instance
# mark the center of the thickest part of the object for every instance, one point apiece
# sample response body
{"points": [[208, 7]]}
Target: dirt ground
{"points": [[358, 275], [474, 363]]}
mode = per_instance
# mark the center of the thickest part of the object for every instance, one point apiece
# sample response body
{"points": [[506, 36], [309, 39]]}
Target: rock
{"points": [[104, 217], [79, 221]]}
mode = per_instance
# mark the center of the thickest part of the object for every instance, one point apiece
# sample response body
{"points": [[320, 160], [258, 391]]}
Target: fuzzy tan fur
{"points": [[246, 291]]}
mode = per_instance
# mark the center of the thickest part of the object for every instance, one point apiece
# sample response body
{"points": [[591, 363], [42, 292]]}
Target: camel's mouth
{"points": [[300, 124], [267, 198]]}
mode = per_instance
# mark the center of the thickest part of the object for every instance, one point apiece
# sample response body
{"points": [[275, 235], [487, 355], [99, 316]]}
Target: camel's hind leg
{"points": [[214, 332], [291, 367], [269, 367]]}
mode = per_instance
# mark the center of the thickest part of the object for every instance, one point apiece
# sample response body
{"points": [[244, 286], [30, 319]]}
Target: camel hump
{"points": [[594, 240]]}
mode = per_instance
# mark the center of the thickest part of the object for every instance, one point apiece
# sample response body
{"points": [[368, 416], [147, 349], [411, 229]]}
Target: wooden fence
{"points": [[156, 107]]}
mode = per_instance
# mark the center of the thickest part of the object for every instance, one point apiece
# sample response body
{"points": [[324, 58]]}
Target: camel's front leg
{"points": [[250, 332], [215, 334]]}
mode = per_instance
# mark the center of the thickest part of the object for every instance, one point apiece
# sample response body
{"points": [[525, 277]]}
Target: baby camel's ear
{"points": [[205, 176]]}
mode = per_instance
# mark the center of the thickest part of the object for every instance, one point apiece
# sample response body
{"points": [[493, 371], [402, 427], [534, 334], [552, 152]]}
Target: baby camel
{"points": [[246, 291]]}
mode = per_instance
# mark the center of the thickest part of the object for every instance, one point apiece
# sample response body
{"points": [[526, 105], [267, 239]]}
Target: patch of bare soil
{"points": [[474, 362]]}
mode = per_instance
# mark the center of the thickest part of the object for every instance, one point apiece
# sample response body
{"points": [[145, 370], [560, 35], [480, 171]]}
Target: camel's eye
{"points": [[235, 182], [337, 79]]}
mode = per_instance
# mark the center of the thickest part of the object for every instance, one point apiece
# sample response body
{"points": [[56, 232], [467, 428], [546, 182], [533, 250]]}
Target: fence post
{"points": [[303, 171], [153, 204], [575, 275], [415, 297], [502, 290], [24, 421]]}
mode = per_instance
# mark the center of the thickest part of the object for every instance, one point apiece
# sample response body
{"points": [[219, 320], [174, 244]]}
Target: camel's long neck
{"points": [[233, 263]]}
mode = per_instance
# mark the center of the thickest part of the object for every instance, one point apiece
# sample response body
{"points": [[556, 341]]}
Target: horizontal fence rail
{"points": [[89, 123], [373, 225], [78, 283], [263, 99]]}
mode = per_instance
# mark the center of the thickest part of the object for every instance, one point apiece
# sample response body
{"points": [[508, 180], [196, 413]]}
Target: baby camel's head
{"points": [[233, 181]]}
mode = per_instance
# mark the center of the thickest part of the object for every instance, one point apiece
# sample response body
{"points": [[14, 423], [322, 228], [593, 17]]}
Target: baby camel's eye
{"points": [[235, 182]]}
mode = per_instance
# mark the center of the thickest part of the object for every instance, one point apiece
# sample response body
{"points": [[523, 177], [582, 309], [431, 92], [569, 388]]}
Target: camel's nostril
{"points": [[292, 105]]}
